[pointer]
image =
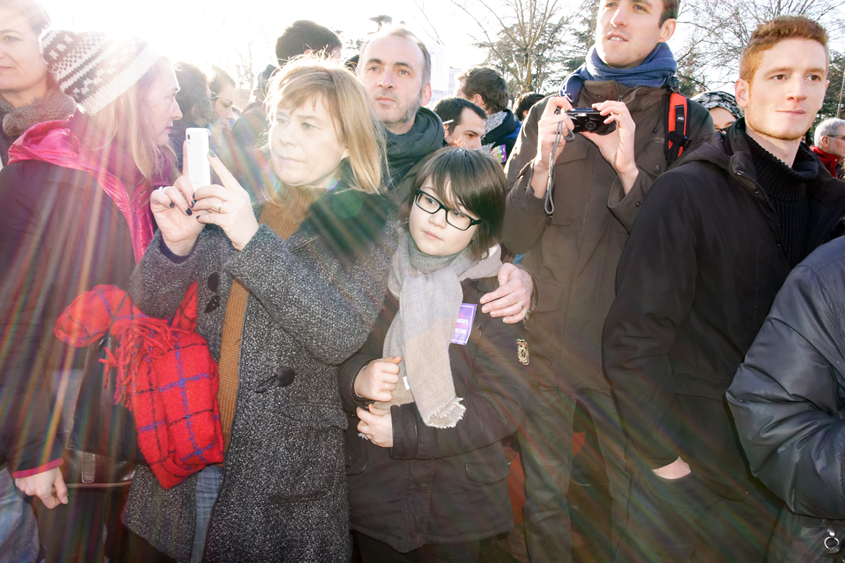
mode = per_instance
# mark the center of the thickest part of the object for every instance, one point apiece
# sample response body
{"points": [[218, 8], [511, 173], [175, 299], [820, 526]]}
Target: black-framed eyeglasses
{"points": [[837, 136], [432, 205]]}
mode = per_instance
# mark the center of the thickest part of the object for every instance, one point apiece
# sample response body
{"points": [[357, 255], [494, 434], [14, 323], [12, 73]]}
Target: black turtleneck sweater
{"points": [[786, 190]]}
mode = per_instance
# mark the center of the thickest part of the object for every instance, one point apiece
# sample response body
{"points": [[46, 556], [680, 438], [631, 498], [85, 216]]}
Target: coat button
{"points": [[285, 376], [657, 169]]}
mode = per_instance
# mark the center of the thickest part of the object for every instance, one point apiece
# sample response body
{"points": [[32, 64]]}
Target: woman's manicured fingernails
{"points": [[188, 211]]}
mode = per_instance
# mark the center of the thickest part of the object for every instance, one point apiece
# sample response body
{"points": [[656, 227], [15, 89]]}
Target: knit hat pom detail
{"points": [[95, 68]]}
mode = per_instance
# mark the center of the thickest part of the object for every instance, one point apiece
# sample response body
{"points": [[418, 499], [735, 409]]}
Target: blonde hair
{"points": [[309, 78], [125, 124]]}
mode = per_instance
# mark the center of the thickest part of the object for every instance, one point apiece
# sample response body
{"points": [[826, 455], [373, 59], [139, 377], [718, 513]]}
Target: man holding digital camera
{"points": [[573, 237]]}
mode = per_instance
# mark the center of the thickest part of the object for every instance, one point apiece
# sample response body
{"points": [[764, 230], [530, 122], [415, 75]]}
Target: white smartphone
{"points": [[199, 170]]}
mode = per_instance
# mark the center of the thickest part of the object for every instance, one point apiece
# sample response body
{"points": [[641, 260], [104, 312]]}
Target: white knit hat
{"points": [[94, 68]]}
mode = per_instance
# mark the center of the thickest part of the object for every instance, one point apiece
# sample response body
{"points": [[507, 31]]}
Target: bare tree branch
{"points": [[428, 21]]}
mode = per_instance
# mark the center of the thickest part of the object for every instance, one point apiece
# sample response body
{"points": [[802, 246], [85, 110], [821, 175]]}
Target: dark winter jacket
{"points": [[50, 216], [695, 283], [61, 235], [573, 254], [407, 150], [440, 485], [504, 133], [313, 300], [788, 401]]}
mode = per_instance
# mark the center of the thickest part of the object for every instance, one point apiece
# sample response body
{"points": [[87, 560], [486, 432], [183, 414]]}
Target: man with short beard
{"points": [[712, 245], [395, 67]]}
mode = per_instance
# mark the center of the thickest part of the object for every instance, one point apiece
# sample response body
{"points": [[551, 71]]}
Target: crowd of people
{"points": [[334, 351]]}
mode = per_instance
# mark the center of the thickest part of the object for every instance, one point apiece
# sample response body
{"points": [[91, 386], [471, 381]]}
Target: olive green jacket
{"points": [[573, 253]]}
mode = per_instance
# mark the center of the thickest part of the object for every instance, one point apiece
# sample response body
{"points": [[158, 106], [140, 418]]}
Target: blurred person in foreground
{"points": [[787, 402], [76, 214], [28, 95]]}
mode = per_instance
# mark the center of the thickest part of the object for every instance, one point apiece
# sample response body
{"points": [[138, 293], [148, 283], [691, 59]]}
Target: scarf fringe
{"points": [[447, 416], [149, 337]]}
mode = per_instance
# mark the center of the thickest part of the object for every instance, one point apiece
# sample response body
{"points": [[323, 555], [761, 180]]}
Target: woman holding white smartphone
{"points": [[287, 291]]}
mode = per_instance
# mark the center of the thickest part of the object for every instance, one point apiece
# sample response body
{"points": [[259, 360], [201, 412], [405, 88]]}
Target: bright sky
{"points": [[221, 32]]}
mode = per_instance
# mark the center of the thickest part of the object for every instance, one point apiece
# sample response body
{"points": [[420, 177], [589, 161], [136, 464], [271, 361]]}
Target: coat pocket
{"points": [[487, 471], [652, 158]]}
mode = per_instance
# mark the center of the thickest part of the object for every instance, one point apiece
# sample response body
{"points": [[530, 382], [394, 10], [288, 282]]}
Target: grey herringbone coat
{"points": [[313, 300]]}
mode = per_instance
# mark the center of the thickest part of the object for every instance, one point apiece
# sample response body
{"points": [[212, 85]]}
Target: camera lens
{"points": [[590, 125]]}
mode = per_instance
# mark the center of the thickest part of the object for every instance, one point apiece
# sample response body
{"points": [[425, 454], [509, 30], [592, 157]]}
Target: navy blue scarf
{"points": [[658, 67]]}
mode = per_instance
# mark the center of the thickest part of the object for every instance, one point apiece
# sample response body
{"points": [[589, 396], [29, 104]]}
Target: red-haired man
{"points": [[712, 245]]}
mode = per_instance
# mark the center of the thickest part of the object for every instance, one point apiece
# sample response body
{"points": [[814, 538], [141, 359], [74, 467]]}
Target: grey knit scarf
{"points": [[429, 292], [52, 106]]}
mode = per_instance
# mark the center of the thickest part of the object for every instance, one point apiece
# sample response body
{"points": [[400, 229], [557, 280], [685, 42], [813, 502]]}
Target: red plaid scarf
{"points": [[166, 377]]}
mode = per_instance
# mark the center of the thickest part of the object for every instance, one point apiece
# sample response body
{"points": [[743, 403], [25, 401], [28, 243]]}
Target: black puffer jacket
{"points": [[440, 485], [696, 280], [788, 402]]}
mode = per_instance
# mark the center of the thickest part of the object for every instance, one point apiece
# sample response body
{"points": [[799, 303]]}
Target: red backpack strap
{"points": [[676, 127]]}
